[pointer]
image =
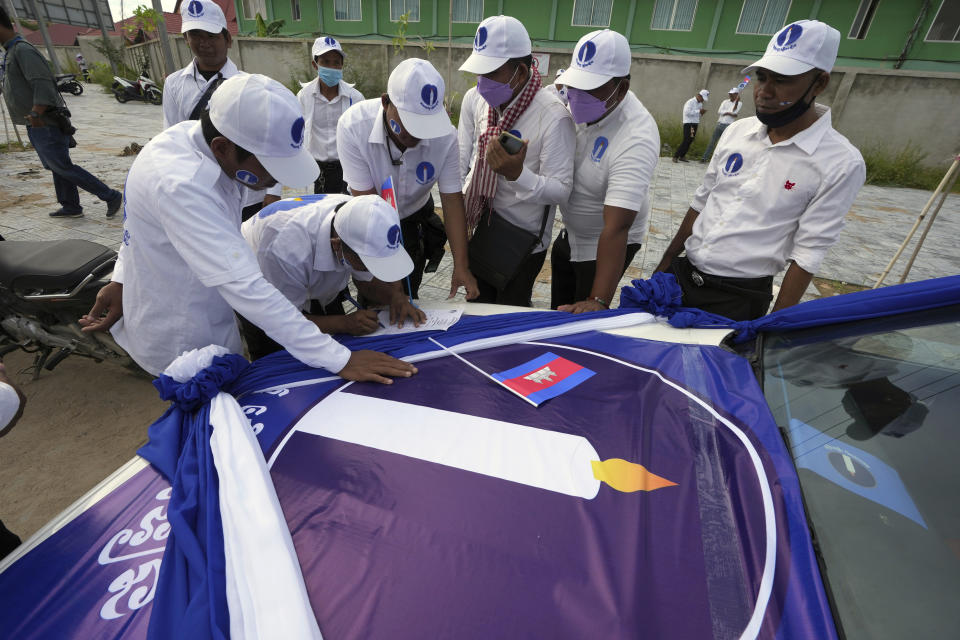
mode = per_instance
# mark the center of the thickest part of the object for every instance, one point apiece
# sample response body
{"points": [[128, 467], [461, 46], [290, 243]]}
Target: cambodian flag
{"points": [[386, 192], [543, 378]]}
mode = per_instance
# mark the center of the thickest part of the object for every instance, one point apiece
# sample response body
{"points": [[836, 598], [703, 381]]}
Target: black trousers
{"points": [[330, 179], [519, 290], [572, 281], [734, 298], [689, 131], [259, 344]]}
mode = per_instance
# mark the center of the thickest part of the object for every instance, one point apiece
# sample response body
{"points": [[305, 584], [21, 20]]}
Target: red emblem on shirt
{"points": [[789, 185]]}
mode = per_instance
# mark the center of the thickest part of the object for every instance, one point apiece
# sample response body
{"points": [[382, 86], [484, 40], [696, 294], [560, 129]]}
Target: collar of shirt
{"points": [[229, 69], [342, 90], [809, 139], [12, 41]]}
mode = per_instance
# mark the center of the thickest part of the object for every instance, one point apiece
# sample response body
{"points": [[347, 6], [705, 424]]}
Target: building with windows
{"points": [[889, 34]]}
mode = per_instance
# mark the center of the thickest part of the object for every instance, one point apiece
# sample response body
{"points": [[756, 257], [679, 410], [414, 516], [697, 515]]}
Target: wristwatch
{"points": [[33, 114]]}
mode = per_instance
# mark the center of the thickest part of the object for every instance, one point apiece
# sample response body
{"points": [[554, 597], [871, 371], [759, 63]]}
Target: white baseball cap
{"points": [[326, 43], [416, 89], [598, 56], [202, 14], [734, 90], [799, 47], [264, 117], [371, 227], [498, 39], [704, 94]]}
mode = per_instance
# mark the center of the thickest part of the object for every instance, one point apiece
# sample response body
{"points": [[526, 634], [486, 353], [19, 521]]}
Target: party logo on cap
{"points": [[425, 172], [429, 96], [480, 40], [733, 164], [599, 148], [296, 132], [395, 126], [247, 177], [195, 9], [393, 237], [330, 42], [788, 38], [586, 54]]}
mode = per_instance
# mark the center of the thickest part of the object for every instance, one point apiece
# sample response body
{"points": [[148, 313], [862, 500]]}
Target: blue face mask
{"points": [[330, 77]]}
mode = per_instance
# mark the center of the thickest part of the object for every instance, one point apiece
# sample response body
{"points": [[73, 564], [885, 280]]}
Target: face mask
{"points": [[495, 93], [585, 108], [330, 77], [788, 115], [246, 177]]}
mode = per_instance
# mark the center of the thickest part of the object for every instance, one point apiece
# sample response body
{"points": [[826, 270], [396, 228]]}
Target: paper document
{"points": [[437, 320]]}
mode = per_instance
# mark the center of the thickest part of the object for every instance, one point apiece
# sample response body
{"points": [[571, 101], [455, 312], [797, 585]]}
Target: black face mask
{"points": [[788, 115]]}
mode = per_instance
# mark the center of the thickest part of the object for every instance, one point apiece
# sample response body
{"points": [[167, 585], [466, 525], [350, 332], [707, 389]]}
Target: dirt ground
{"points": [[82, 421]]}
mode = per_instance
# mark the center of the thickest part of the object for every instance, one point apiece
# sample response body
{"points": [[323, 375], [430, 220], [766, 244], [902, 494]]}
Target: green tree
{"points": [[265, 30]]}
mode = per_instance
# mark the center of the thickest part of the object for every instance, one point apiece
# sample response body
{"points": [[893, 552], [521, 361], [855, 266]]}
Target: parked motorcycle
{"points": [[142, 89], [45, 287], [68, 83]]}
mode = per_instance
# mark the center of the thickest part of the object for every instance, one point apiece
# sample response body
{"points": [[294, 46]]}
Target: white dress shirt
{"points": [[728, 106], [762, 204], [691, 111], [185, 266], [467, 129], [183, 89], [293, 249], [614, 166], [547, 175], [365, 154], [321, 115]]}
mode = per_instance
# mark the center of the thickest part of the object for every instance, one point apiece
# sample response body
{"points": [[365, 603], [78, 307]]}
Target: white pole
{"points": [[473, 366]]}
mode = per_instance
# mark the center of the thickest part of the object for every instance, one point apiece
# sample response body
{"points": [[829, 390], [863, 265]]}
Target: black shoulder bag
{"points": [[498, 248]]}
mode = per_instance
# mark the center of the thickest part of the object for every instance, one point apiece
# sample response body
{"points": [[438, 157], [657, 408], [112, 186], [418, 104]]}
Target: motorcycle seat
{"points": [[64, 76], [50, 265]]}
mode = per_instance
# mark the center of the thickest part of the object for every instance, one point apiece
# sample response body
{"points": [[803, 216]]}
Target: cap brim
{"points": [[779, 64], [391, 268], [325, 49], [203, 25], [480, 65], [293, 171], [426, 126], [580, 79]]}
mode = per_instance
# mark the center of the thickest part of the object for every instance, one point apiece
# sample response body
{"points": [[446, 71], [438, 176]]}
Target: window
{"points": [[400, 7], [861, 23], [591, 13], [467, 10], [946, 26], [674, 15], [252, 7], [345, 10], [295, 9], [763, 17]]}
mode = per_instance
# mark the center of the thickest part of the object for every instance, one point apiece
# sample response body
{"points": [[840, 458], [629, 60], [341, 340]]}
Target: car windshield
{"points": [[871, 414]]}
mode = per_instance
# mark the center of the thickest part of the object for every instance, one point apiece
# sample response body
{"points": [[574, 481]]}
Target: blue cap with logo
{"points": [[799, 47], [203, 15], [416, 89], [371, 227]]}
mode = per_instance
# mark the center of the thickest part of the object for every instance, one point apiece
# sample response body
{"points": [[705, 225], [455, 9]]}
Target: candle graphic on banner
{"points": [[550, 460]]}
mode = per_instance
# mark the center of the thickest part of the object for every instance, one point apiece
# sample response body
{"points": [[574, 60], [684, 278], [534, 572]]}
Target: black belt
{"points": [[700, 278], [328, 164]]}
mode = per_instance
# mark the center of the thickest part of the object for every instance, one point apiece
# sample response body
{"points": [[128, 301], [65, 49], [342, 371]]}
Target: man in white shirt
{"points": [[729, 110], [557, 89], [309, 247], [184, 267], [521, 189], [406, 134], [692, 110], [777, 190], [324, 99], [466, 129], [618, 145], [187, 91]]}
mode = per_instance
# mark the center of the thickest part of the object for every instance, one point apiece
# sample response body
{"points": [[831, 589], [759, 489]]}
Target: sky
{"points": [[130, 5]]}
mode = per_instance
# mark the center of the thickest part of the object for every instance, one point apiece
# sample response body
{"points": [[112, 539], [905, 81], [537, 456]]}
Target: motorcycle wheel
{"points": [[154, 96], [121, 96], [75, 88]]}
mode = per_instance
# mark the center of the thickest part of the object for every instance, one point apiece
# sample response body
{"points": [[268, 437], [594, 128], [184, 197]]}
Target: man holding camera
{"points": [[512, 193], [30, 92]]}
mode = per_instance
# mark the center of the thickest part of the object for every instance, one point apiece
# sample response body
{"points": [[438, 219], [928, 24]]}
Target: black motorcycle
{"points": [[68, 83], [45, 287]]}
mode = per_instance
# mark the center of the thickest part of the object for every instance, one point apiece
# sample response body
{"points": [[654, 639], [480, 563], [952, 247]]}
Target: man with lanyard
{"points": [[184, 267], [309, 247], [729, 110], [187, 92], [523, 188], [777, 190], [692, 110], [406, 134], [324, 99], [618, 145], [30, 92]]}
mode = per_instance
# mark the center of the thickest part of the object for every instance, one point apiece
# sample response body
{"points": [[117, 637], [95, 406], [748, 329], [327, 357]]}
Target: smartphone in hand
{"points": [[511, 143]]}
